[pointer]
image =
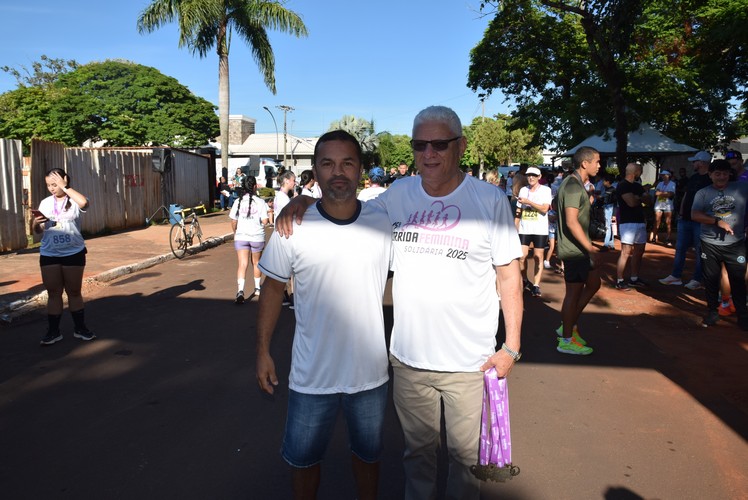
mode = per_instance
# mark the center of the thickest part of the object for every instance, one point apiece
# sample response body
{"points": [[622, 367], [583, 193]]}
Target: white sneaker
{"points": [[694, 285], [546, 264], [671, 280]]}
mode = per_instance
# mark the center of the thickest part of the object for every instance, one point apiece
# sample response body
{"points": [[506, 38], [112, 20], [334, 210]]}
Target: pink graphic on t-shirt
{"points": [[435, 218]]}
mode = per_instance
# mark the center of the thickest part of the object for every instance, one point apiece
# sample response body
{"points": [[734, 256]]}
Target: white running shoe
{"points": [[546, 264], [694, 285], [671, 280]]}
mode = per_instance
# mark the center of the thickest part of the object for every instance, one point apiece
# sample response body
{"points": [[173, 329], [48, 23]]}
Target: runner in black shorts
{"points": [[63, 254]]}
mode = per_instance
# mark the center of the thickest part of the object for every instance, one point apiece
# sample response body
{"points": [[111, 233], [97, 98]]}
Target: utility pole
{"points": [[285, 110], [482, 98]]}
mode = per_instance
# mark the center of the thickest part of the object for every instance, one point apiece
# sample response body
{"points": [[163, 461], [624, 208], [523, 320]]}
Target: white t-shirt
{"points": [[340, 271], [62, 232], [531, 221], [249, 218], [281, 200], [370, 193], [663, 203], [444, 289]]}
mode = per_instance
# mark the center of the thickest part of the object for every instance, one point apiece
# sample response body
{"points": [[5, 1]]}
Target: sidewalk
{"points": [[108, 257]]}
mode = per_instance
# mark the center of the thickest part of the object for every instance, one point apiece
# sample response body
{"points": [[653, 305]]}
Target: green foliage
{"points": [[394, 150], [42, 73], [266, 193], [497, 143], [363, 130], [122, 103], [207, 25], [576, 68]]}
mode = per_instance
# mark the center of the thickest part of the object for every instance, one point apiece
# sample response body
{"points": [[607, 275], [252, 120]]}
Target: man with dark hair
{"points": [[575, 249], [446, 225], [720, 209], [339, 357]]}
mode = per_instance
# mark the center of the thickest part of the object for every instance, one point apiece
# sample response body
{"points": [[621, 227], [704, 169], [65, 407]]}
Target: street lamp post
{"points": [[276, 131], [285, 110]]}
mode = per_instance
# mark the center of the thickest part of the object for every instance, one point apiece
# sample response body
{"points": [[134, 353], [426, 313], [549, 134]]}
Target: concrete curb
{"points": [[18, 308]]}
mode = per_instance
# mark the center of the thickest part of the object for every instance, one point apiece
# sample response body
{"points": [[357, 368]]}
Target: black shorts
{"points": [[77, 259], [577, 270], [537, 240]]}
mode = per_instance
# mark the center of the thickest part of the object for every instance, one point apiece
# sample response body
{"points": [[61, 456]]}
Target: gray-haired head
{"points": [[440, 114]]}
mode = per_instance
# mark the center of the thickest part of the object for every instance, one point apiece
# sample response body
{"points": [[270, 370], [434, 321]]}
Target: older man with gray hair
{"points": [[455, 255]]}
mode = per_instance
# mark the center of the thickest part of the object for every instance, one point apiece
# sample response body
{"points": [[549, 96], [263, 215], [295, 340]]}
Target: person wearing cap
{"points": [[720, 209], [736, 162], [376, 179], [663, 207], [531, 219], [688, 232]]}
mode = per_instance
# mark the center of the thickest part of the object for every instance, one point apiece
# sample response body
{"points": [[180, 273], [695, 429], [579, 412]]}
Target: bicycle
{"points": [[183, 232]]}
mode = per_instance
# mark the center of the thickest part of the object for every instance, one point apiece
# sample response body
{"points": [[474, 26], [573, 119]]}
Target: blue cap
{"points": [[376, 174]]}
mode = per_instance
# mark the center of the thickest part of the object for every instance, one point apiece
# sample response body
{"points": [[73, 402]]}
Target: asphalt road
{"points": [[165, 405]]}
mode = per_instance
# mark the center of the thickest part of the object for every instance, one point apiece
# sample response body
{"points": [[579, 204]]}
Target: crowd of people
{"points": [[461, 251]]}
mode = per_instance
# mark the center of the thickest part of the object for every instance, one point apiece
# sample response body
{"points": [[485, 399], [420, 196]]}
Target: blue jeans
{"points": [[609, 240], [689, 235], [311, 419]]}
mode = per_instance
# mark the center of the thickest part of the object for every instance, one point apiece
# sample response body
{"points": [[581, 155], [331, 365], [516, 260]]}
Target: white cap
{"points": [[665, 172], [533, 171], [701, 156]]}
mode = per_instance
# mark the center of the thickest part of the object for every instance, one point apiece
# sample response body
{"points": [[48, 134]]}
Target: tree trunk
{"points": [[223, 107], [621, 127]]}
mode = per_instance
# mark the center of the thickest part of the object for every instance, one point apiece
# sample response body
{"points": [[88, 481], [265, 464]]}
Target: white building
{"points": [[246, 148]]}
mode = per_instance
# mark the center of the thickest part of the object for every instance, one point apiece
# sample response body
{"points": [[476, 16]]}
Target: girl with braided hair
{"points": [[249, 216]]}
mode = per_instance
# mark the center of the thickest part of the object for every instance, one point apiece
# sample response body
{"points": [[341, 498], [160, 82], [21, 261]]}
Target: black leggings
{"points": [[733, 257]]}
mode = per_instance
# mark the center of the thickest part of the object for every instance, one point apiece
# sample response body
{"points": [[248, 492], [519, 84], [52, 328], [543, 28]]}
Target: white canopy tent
{"points": [[646, 141]]}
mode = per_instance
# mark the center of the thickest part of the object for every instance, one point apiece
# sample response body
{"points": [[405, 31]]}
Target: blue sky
{"points": [[382, 60]]}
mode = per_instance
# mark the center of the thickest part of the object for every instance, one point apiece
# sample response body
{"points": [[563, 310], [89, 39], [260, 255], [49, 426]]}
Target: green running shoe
{"points": [[573, 347], [574, 334]]}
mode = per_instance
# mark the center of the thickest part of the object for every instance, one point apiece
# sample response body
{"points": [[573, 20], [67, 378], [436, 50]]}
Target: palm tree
{"points": [[363, 130], [204, 24]]}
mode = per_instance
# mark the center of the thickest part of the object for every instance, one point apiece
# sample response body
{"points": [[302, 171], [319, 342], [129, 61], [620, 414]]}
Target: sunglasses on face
{"points": [[438, 145]]}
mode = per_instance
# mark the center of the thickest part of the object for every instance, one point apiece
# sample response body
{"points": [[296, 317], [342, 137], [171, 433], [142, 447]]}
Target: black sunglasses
{"points": [[438, 145]]}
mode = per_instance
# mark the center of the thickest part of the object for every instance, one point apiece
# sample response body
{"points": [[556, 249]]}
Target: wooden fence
{"points": [[121, 184], [12, 230]]}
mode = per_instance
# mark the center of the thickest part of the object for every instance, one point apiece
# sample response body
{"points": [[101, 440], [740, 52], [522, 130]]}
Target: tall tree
{"points": [[394, 150], [363, 130], [208, 24], [497, 143], [574, 67], [43, 72], [122, 103]]}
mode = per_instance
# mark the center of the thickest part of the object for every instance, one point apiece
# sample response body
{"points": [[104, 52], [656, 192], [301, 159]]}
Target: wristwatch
{"points": [[716, 221], [514, 354]]}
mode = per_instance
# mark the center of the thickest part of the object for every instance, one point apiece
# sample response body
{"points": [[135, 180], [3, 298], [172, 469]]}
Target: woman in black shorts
{"points": [[63, 254]]}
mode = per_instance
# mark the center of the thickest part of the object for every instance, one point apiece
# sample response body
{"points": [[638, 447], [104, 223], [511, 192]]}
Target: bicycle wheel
{"points": [[177, 241], [198, 232]]}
